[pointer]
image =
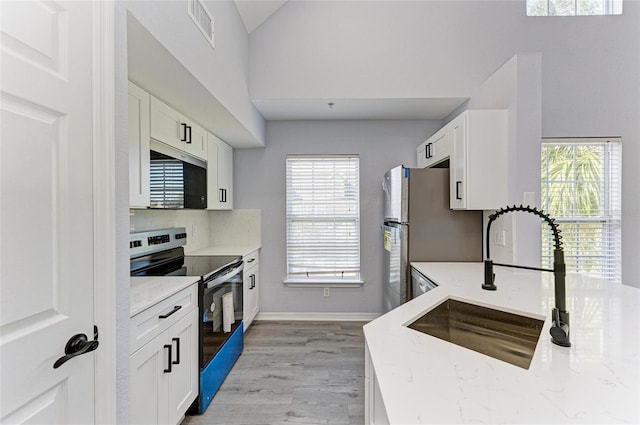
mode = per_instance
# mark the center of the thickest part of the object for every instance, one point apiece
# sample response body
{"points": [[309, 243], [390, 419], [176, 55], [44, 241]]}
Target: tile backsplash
{"points": [[204, 228], [195, 221], [239, 227]]}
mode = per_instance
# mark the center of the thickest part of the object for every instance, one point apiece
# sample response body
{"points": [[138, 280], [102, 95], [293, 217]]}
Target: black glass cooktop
{"points": [[205, 265]]}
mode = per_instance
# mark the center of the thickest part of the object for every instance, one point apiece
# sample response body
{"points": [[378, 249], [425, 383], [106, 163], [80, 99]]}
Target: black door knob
{"points": [[77, 345]]}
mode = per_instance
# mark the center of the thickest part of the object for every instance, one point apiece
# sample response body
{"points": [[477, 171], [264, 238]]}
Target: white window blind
{"points": [[581, 188], [167, 183], [323, 218], [573, 7]]}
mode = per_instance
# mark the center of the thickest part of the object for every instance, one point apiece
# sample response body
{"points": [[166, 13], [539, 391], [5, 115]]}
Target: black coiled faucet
{"points": [[560, 316]]}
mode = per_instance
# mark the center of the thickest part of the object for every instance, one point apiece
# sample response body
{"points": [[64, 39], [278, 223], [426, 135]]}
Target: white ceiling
{"points": [[357, 109], [255, 12]]}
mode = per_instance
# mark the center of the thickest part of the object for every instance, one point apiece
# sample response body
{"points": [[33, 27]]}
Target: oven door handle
{"points": [[210, 284]]}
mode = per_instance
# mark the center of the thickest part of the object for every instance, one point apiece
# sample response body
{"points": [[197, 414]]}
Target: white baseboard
{"points": [[324, 317]]}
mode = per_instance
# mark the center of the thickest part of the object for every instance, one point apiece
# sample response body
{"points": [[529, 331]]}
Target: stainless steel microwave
{"points": [[177, 180]]}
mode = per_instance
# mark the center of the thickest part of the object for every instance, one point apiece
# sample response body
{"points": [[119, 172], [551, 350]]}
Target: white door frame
{"points": [[104, 207]]}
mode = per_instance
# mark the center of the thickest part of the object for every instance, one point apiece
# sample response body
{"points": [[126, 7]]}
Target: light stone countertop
{"points": [[423, 379], [241, 249], [148, 291]]}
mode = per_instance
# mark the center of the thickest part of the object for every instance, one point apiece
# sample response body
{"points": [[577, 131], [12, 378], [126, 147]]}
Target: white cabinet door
{"points": [[457, 164], [479, 173], [149, 382], [196, 141], [219, 175], [435, 149], [167, 125], [139, 196], [183, 379], [225, 173], [254, 291], [251, 284]]}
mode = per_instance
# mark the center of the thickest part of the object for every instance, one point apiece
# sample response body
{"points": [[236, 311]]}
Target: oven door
{"points": [[221, 311]]}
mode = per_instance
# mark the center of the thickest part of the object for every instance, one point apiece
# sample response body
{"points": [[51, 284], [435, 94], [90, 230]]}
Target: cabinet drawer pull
{"points": [[251, 261], [188, 139], [168, 369], [164, 316], [253, 281], [458, 183], [429, 150], [177, 341]]}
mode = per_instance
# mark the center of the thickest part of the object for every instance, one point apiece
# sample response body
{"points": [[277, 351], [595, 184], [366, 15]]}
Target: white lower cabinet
{"points": [[251, 286], [375, 412], [164, 372]]}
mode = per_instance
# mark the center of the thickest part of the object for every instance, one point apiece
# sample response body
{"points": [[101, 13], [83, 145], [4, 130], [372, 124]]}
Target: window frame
{"points": [[311, 280], [610, 192]]}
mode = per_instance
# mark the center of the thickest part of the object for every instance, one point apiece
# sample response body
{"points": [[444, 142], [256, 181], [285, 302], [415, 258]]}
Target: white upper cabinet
{"points": [[138, 147], [435, 149], [219, 174], [171, 127], [197, 143], [478, 162]]}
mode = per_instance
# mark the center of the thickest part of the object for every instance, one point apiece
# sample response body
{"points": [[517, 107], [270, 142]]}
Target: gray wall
{"points": [[395, 49], [259, 182]]}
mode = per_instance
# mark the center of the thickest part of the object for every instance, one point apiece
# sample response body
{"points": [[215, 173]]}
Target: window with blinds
{"points": [[323, 218], [581, 188]]}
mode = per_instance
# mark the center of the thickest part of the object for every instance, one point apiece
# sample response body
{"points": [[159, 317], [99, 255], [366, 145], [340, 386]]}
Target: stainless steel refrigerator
{"points": [[420, 226]]}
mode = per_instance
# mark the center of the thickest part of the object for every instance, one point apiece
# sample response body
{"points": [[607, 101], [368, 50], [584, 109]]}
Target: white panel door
{"points": [[46, 211]]}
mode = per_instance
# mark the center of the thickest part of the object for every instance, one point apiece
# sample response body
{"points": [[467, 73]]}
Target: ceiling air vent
{"points": [[203, 20]]}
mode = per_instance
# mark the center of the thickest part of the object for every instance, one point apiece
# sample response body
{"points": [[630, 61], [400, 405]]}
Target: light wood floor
{"points": [[293, 372]]}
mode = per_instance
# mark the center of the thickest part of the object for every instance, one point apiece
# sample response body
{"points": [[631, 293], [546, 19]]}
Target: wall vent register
{"points": [[203, 20]]}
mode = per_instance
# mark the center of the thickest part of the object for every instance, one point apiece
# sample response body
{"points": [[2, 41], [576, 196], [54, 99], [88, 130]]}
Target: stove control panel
{"points": [[150, 241], [158, 240]]}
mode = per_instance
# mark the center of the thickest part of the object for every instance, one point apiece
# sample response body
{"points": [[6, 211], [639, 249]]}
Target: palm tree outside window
{"points": [[581, 188]]}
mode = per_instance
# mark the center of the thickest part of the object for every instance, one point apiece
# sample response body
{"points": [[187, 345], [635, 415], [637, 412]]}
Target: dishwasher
{"points": [[420, 283]]}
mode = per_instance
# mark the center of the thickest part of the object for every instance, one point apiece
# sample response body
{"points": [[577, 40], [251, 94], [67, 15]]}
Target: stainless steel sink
{"points": [[504, 336]]}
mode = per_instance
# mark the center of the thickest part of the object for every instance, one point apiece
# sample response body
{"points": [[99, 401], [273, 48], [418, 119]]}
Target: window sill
{"points": [[310, 283]]}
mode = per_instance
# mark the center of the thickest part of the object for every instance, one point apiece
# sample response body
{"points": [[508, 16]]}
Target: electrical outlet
{"points": [[500, 237], [326, 292], [529, 198]]}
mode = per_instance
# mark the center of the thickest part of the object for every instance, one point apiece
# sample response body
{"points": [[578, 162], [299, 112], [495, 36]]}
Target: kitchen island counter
{"points": [[414, 378]]}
